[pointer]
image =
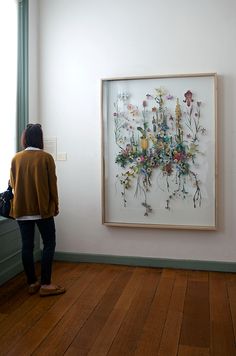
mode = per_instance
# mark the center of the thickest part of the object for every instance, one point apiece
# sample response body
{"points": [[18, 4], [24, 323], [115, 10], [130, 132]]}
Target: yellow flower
{"points": [[178, 110], [144, 143]]}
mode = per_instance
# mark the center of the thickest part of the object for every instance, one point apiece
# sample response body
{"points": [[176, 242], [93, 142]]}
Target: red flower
{"points": [[178, 156], [168, 168]]}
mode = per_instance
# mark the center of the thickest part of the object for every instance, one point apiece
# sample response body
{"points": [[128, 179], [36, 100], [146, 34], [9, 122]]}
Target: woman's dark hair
{"points": [[32, 136]]}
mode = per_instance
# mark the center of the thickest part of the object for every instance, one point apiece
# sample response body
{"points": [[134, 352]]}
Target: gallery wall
{"points": [[75, 45]]}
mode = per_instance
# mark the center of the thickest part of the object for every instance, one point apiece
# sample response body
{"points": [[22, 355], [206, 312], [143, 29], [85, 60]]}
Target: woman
{"points": [[35, 202]]}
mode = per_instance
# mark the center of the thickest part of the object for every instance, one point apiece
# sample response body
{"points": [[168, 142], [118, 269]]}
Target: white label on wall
{"points": [[50, 146]]}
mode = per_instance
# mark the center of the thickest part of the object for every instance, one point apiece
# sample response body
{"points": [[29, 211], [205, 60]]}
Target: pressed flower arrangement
{"points": [[158, 148]]}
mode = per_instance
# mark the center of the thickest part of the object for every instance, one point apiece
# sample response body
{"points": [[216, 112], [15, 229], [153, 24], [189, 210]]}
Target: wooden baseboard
{"points": [[147, 261]]}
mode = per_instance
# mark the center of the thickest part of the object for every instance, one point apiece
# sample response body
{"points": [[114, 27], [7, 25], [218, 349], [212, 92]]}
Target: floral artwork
{"points": [[158, 148]]}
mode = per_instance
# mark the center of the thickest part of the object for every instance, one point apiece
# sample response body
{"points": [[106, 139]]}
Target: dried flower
{"points": [[178, 111], [123, 96], [160, 91], [152, 145], [188, 97]]}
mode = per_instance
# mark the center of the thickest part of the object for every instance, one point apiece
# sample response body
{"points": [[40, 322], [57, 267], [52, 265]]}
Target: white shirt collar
{"points": [[30, 148]]}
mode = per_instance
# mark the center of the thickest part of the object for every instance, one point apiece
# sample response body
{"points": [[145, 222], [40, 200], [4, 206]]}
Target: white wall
{"points": [[81, 42], [33, 62]]}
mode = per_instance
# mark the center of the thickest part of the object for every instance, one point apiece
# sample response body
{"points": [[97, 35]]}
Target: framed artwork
{"points": [[159, 151]]}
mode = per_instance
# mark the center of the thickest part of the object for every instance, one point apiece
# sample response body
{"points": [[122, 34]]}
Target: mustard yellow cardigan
{"points": [[34, 181]]}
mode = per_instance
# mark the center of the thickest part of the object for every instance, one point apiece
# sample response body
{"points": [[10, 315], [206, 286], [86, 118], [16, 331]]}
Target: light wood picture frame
{"points": [[159, 159]]}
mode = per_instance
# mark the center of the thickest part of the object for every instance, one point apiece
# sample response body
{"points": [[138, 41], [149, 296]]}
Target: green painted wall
{"points": [[10, 250]]}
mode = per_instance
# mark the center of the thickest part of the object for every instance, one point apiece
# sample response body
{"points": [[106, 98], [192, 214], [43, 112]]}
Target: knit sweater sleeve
{"points": [[52, 182]]}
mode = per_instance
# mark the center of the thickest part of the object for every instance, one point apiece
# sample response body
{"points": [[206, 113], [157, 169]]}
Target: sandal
{"points": [[45, 292]]}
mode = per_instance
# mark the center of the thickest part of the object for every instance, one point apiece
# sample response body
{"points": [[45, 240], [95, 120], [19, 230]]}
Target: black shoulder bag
{"points": [[5, 202]]}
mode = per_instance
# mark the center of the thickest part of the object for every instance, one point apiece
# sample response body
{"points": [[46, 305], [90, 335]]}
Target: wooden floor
{"points": [[118, 310]]}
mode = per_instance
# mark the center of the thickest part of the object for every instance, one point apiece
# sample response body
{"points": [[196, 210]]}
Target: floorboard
{"points": [[221, 326], [195, 329], [112, 310], [150, 338], [171, 332]]}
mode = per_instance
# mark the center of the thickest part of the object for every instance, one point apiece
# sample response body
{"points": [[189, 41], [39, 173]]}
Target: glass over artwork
{"points": [[159, 154]]}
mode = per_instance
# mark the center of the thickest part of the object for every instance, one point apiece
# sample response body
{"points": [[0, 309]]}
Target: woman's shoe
{"points": [[34, 288], [56, 290]]}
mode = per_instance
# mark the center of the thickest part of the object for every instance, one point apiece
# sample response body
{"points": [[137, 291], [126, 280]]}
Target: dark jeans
{"points": [[48, 233]]}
